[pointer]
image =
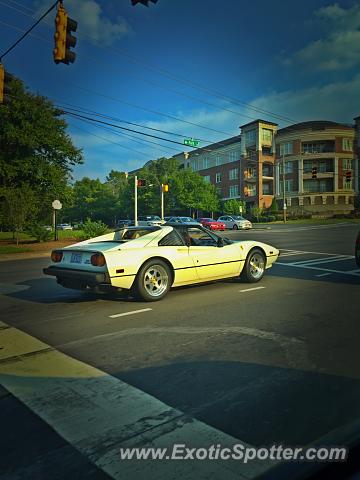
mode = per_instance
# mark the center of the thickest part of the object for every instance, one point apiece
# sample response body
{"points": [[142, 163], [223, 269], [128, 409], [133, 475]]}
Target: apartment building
{"points": [[219, 164], [317, 166], [240, 167]]}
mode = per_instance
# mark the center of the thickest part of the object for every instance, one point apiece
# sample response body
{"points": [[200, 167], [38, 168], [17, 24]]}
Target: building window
{"points": [[289, 185], [266, 151], [194, 165], [347, 144], [206, 178], [289, 167], [267, 135], [267, 188], [218, 178], [317, 186], [347, 164], [249, 190], [206, 162], [234, 191], [286, 148], [250, 172], [233, 174], [218, 160], [324, 146], [233, 156], [250, 137]]}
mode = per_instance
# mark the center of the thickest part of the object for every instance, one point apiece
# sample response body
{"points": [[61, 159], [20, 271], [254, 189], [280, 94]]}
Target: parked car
{"points": [[149, 220], [357, 250], [64, 226], [235, 222], [48, 228], [149, 260], [212, 224], [184, 221], [125, 223]]}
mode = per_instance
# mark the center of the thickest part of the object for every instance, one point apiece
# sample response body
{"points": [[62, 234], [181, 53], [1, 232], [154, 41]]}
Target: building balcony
{"points": [[250, 179]]}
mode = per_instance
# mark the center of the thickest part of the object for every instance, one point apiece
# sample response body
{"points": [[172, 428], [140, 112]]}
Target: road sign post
{"points": [[56, 204]]}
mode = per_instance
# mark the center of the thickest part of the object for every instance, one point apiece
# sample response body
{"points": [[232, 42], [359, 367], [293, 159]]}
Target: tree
{"points": [[274, 207], [257, 212], [35, 149], [20, 207], [232, 207]]}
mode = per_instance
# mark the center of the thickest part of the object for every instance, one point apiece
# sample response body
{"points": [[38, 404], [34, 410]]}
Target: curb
{"points": [[8, 257]]}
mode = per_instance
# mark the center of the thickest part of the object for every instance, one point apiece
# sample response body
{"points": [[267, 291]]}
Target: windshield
{"points": [[238, 217]]}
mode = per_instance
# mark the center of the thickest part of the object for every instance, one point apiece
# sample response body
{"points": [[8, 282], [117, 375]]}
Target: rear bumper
{"points": [[88, 278]]}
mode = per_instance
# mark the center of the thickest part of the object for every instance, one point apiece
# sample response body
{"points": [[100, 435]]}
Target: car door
{"points": [[211, 260], [225, 220]]}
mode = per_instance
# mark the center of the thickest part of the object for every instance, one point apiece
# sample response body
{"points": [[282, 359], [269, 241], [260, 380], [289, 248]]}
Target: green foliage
{"points": [[274, 207], [39, 232], [232, 207], [36, 151], [93, 229], [20, 208], [256, 212]]}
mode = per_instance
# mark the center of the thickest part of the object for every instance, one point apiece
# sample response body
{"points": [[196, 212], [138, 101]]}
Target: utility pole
{"points": [[135, 201], [284, 193], [162, 200]]}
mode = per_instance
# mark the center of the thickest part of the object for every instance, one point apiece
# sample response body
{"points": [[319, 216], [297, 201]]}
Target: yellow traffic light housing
{"points": [[165, 187], [4, 84], [64, 26]]}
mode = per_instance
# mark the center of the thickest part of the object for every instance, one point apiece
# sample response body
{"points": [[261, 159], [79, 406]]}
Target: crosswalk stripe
{"points": [[98, 413]]}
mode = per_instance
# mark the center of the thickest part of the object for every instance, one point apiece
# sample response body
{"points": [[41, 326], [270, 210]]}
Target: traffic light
{"points": [[165, 187], [64, 26], [144, 2], [314, 172], [348, 176], [5, 88], [141, 182]]}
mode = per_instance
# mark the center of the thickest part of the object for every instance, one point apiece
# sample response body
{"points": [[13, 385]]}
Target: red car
{"points": [[211, 224]]}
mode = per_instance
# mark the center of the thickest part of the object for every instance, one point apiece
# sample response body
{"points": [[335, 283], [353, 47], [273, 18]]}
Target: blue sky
{"points": [[142, 65]]}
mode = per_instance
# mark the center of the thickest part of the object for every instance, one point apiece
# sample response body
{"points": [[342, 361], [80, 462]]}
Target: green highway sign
{"points": [[191, 142]]}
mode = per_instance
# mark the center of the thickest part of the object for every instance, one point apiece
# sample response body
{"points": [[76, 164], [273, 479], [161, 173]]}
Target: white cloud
{"points": [[92, 22], [340, 48]]}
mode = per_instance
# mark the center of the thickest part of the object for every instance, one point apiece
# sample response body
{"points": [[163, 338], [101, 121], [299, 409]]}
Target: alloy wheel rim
{"points": [[156, 280], [257, 265]]}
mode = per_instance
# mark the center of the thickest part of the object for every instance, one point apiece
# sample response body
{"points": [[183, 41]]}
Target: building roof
{"points": [[314, 125], [259, 120]]}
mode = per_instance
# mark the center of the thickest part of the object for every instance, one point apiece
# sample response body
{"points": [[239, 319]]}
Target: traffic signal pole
{"points": [[162, 201], [135, 201], [284, 183]]}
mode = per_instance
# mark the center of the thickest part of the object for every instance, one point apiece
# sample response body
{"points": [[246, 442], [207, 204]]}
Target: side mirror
{"points": [[220, 242]]}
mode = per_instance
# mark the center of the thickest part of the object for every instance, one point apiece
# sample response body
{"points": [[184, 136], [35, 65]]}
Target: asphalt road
{"points": [[210, 363]]}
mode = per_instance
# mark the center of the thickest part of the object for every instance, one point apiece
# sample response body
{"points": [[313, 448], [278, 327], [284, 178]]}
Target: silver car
{"points": [[149, 220], [235, 222]]}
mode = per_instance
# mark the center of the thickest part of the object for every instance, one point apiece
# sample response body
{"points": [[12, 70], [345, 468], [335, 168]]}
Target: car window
{"points": [[199, 238], [171, 239]]}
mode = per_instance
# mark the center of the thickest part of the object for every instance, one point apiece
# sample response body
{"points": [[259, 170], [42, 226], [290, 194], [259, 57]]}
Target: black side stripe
{"points": [[209, 264]]}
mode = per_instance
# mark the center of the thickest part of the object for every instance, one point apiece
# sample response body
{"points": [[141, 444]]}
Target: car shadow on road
{"points": [[41, 290], [288, 271]]}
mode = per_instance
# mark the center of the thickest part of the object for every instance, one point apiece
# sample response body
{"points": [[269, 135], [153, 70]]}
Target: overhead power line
{"points": [[187, 82], [28, 31]]}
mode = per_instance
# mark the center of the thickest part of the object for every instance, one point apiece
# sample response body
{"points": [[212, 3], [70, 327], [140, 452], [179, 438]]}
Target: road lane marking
{"points": [[251, 289], [309, 267], [323, 274], [97, 414], [130, 313], [315, 261]]}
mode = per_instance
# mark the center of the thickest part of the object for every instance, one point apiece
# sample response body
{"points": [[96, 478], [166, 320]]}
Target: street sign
{"points": [[191, 142], [56, 204]]}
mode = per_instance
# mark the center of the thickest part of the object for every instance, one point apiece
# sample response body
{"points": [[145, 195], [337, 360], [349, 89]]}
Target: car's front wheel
{"points": [[153, 281], [235, 227], [254, 267]]}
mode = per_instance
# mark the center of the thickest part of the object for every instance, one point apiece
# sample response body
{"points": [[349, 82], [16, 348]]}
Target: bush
{"points": [[39, 232], [93, 229]]}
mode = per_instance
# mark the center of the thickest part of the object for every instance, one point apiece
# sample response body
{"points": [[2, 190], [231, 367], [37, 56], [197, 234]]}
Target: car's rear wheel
{"points": [[254, 267], [153, 281], [235, 227]]}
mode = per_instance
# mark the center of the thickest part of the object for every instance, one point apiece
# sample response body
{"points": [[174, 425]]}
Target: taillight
{"points": [[98, 260], [56, 256]]}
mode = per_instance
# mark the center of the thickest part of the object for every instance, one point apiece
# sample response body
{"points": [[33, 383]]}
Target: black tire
{"points": [[153, 281], [254, 267], [235, 227]]}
